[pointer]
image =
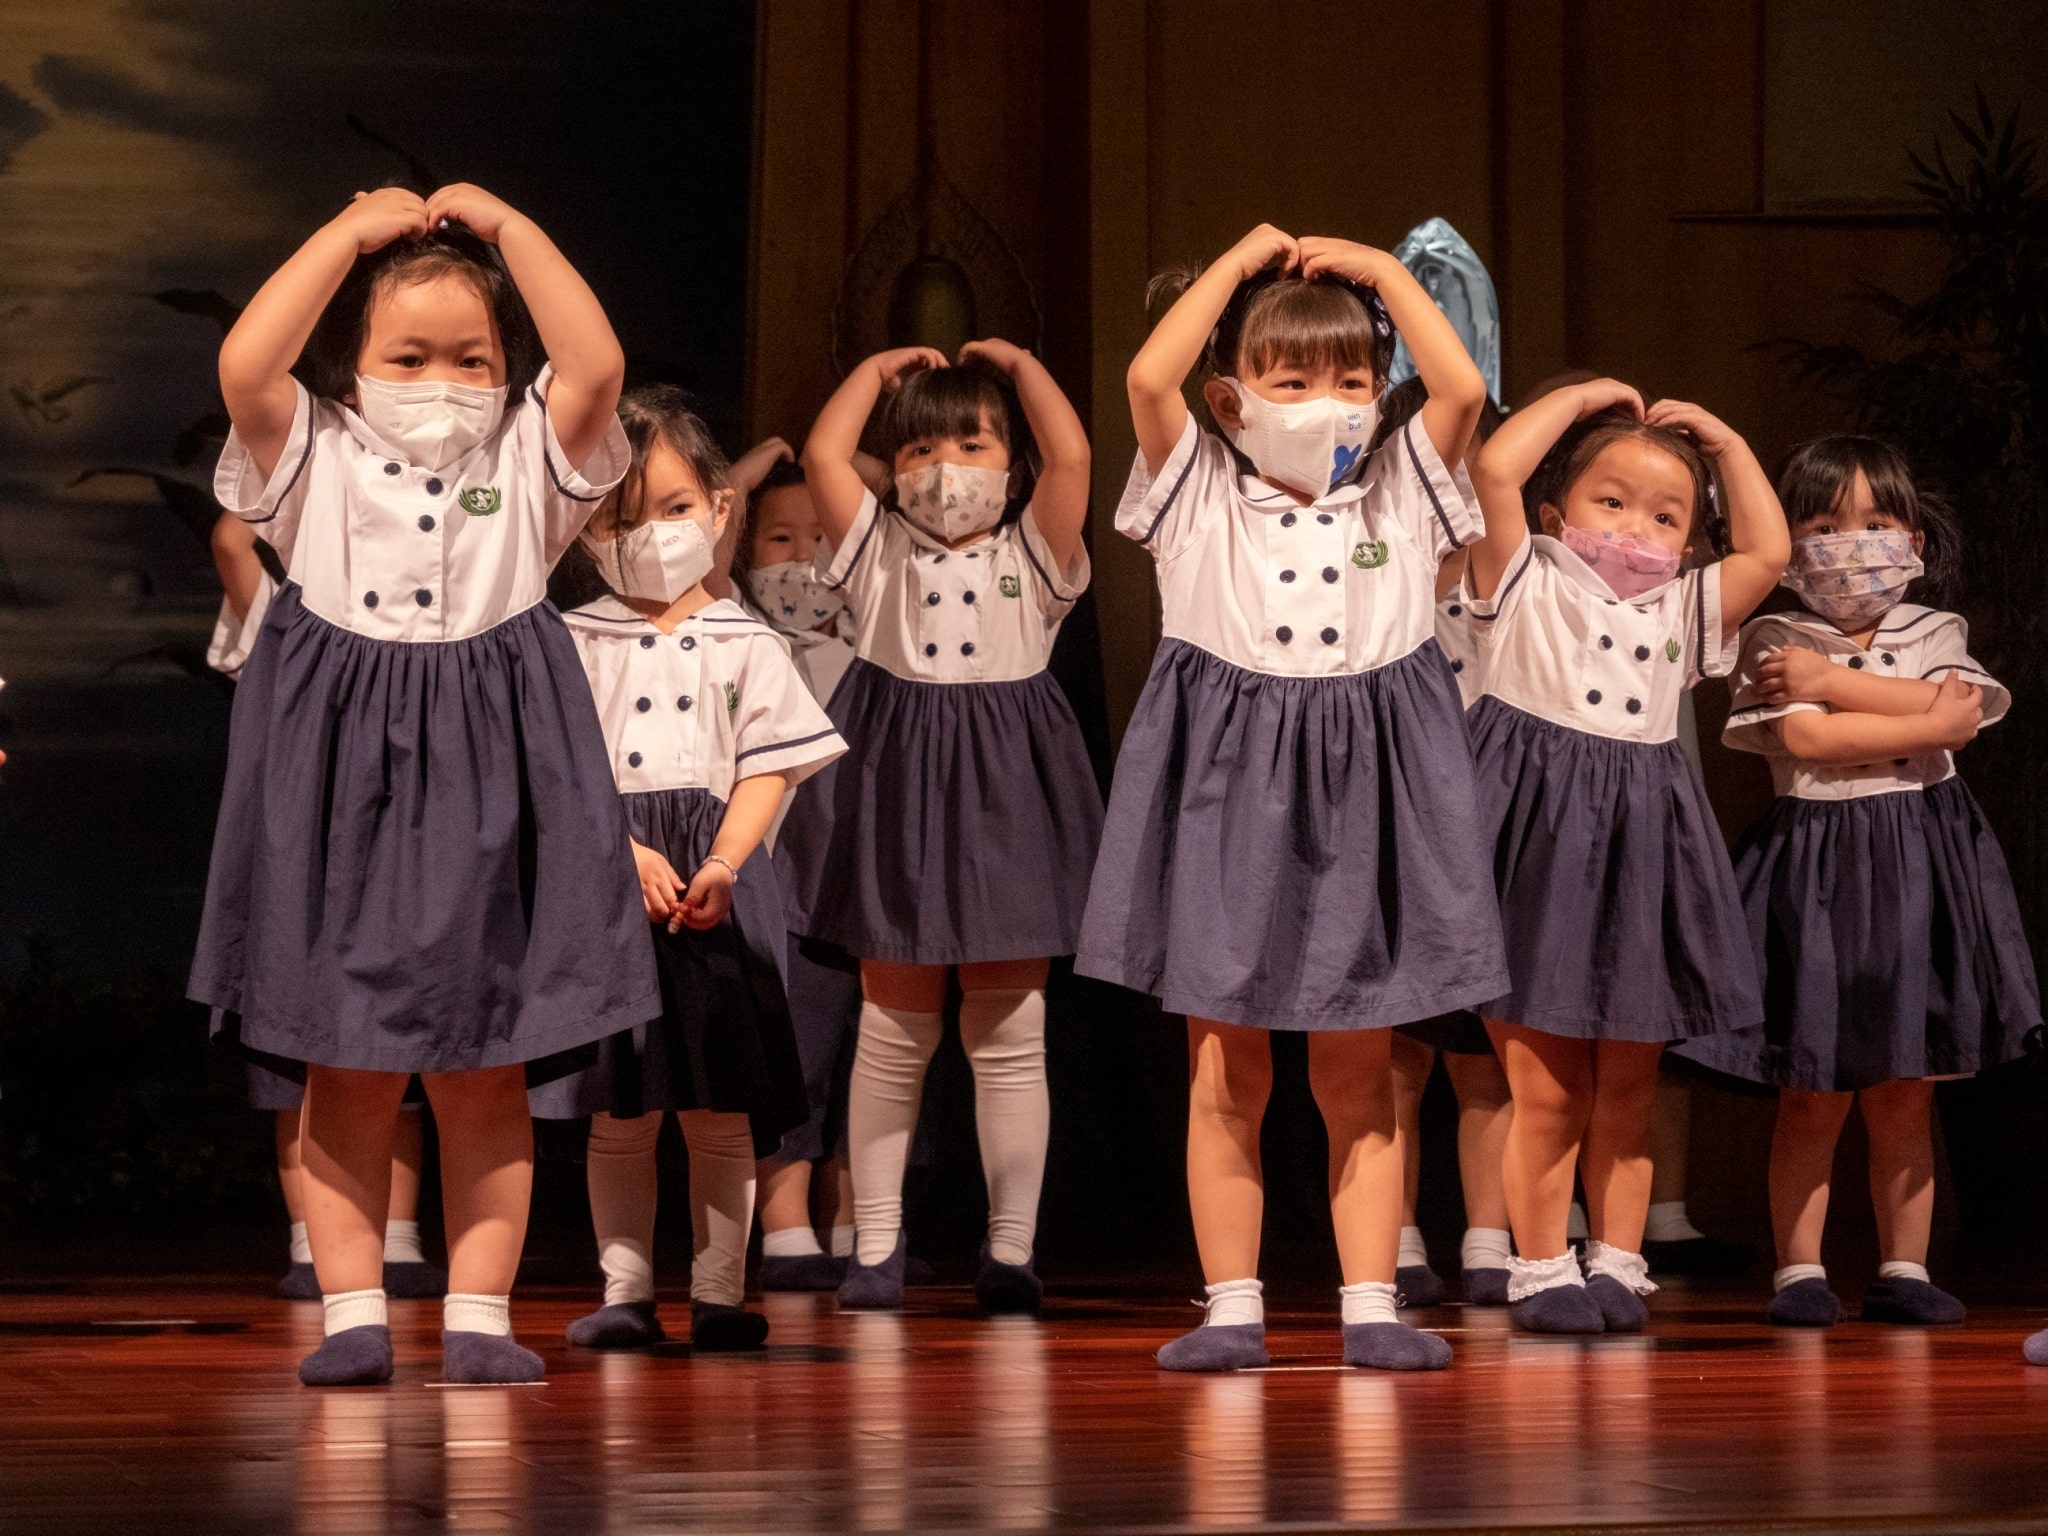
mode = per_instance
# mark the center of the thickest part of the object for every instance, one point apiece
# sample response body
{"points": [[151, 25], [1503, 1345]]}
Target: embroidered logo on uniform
{"points": [[1010, 586], [1671, 650], [1370, 556], [732, 697], [481, 500]]}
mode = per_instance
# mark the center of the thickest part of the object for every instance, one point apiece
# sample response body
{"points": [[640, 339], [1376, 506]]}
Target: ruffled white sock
{"points": [[1630, 1269], [1528, 1276], [1233, 1302], [353, 1309]]}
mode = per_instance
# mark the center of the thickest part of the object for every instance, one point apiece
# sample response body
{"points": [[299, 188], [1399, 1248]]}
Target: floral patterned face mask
{"points": [[793, 597], [1853, 579], [1630, 566], [953, 501]]}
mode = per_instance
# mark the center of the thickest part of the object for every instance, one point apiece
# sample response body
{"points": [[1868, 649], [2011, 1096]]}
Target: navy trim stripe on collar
{"points": [[784, 746], [1166, 506], [1408, 437], [859, 550], [1031, 555], [1963, 669], [1932, 613]]}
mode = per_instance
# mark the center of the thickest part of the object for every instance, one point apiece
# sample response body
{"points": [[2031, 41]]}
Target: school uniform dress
{"points": [[687, 716], [962, 823], [1878, 899], [420, 863], [1616, 896], [1292, 841]]}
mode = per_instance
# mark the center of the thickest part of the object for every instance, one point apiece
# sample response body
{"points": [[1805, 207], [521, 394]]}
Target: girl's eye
{"points": [[1667, 520], [410, 360], [475, 362], [1611, 503]]}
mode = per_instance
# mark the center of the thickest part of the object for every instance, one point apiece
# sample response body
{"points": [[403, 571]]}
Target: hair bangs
{"points": [[1301, 323], [953, 402], [1567, 463]]}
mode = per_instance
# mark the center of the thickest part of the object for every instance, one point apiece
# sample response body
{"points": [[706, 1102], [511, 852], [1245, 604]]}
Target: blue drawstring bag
{"points": [[1451, 273]]}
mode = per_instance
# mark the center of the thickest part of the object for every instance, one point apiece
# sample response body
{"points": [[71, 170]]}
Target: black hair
{"points": [[1820, 473], [327, 365], [782, 475], [1584, 441], [1274, 317], [953, 402]]}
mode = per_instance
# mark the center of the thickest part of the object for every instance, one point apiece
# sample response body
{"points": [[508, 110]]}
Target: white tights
{"points": [[623, 1196]]}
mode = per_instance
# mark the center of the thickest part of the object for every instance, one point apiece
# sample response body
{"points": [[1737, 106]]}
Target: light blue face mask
{"points": [[1451, 273]]}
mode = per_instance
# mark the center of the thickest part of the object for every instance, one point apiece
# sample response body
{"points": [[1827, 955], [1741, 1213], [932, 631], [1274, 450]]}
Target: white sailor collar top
{"points": [[987, 613], [1912, 642], [391, 551], [1344, 585], [228, 651], [1564, 648], [1462, 638], [716, 702]]}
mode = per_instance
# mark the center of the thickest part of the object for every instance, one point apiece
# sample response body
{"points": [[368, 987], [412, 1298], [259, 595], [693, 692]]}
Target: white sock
{"points": [[1003, 1033], [619, 1166], [1575, 1228], [1235, 1301], [789, 1243], [402, 1243], [1486, 1248], [353, 1309], [1528, 1276], [841, 1243], [1899, 1269], [477, 1314], [302, 1246], [1369, 1301], [1631, 1269], [1668, 1223], [721, 1203], [894, 1048], [1792, 1274], [1414, 1252]]}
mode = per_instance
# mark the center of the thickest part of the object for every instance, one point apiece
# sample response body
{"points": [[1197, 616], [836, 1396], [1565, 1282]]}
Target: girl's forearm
{"points": [[573, 327], [748, 815], [1860, 691], [1175, 345], [257, 355], [1756, 522], [1838, 739], [1062, 440], [1441, 361]]}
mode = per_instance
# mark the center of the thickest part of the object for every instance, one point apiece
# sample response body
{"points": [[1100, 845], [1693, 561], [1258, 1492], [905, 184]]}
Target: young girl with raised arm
{"points": [[707, 723], [959, 830], [1291, 841], [1878, 898], [421, 864], [1624, 930]]}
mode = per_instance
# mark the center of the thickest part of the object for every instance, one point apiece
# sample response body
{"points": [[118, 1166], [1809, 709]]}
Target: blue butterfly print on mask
{"points": [[1347, 460]]}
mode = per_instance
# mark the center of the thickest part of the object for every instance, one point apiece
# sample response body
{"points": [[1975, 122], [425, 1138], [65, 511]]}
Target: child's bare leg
{"points": [[1485, 1111], [1802, 1171], [350, 1121], [1551, 1080], [1616, 1165], [1412, 1062], [785, 1193], [287, 1134], [406, 1142], [1230, 1078], [486, 1174]]}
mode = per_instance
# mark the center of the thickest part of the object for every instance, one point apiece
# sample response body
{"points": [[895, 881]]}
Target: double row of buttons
{"points": [[1285, 635]]}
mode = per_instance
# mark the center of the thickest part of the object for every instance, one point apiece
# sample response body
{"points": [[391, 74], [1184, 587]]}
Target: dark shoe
{"points": [[1417, 1285], [1394, 1347], [716, 1329], [1621, 1309], [1559, 1309], [468, 1357], [299, 1284], [1805, 1304], [917, 1271], [2036, 1348], [802, 1272], [354, 1357], [622, 1325], [875, 1288], [414, 1282], [1226, 1347], [1702, 1256], [1899, 1300], [1486, 1287], [1007, 1290]]}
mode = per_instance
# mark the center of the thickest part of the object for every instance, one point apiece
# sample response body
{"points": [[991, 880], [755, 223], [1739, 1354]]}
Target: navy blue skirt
{"points": [[960, 825], [1456, 1034], [1983, 999], [723, 1040], [420, 863], [1295, 852], [1617, 900]]}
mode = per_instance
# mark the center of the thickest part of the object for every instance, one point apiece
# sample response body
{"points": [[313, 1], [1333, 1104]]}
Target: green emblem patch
{"points": [[481, 500], [1371, 556], [1671, 651], [1011, 586], [732, 697]]}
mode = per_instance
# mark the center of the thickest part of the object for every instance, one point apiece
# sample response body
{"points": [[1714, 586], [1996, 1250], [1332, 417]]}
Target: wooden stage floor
{"points": [[172, 1407]]}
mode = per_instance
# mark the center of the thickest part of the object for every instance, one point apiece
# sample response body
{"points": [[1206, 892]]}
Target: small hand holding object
{"points": [[709, 898], [661, 887], [1794, 675]]}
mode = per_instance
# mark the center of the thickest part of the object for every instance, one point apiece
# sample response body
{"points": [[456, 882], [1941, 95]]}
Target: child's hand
{"points": [[1958, 709], [486, 215], [752, 467], [1256, 251], [1714, 435], [1005, 355], [1344, 258], [377, 218], [1794, 675], [892, 366], [1601, 394], [660, 886], [710, 898]]}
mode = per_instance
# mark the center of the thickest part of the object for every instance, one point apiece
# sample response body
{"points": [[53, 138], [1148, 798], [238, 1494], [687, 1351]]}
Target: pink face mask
{"points": [[1630, 566]]}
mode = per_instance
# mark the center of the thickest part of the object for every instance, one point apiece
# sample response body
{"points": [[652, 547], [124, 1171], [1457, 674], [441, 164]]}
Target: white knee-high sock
{"points": [[894, 1048], [1003, 1033], [721, 1203], [620, 1169]]}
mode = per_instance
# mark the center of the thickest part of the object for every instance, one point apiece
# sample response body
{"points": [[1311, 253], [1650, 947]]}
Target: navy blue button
{"points": [[1325, 519], [1642, 653], [1856, 663], [1635, 706], [1329, 573], [369, 599], [433, 487], [966, 597], [1287, 519], [1287, 575], [931, 599], [424, 598], [1456, 609], [1607, 642], [1593, 696], [1887, 657], [967, 648], [931, 650], [1612, 602], [1329, 637], [689, 642], [426, 522], [632, 759], [1283, 634], [974, 554], [941, 555], [683, 702], [390, 469], [1898, 762], [643, 705], [1457, 666], [647, 642]]}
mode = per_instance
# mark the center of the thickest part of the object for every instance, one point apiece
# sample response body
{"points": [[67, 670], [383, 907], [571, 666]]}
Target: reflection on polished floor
{"points": [[172, 1407]]}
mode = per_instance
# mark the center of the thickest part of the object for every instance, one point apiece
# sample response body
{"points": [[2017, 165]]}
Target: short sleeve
{"points": [[1704, 649], [228, 651], [1420, 491], [569, 495], [1948, 647], [1163, 511], [857, 563], [1056, 587], [777, 726], [1513, 585], [1749, 717], [274, 502]]}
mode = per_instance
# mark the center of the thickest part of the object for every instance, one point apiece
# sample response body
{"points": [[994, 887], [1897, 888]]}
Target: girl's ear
{"points": [[721, 514], [1919, 542], [1223, 403], [1551, 519]]}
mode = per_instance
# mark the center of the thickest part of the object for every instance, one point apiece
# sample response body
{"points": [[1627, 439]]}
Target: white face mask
{"points": [[954, 501], [793, 597], [656, 562], [433, 425], [1309, 446]]}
